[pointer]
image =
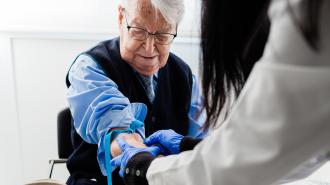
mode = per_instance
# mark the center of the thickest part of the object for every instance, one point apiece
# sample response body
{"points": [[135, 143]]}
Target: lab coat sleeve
{"points": [[280, 121]]}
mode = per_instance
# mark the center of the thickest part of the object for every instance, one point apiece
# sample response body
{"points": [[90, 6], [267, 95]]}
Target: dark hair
{"points": [[233, 37]]}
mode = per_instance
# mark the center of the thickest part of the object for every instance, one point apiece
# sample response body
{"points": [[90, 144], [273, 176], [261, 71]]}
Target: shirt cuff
{"points": [[137, 167], [188, 143]]}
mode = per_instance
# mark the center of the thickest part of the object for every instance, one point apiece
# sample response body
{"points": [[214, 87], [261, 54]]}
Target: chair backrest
{"points": [[64, 143]]}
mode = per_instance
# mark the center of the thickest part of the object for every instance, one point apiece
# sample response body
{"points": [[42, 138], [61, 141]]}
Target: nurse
{"points": [[279, 127]]}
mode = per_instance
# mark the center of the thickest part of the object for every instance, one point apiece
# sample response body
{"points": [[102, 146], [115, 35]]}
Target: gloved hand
{"points": [[128, 152], [169, 139]]}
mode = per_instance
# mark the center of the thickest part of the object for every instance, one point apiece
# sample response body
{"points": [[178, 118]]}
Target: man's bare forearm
{"points": [[133, 139]]}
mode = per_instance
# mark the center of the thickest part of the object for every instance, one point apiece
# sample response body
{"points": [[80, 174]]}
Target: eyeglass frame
{"points": [[148, 33]]}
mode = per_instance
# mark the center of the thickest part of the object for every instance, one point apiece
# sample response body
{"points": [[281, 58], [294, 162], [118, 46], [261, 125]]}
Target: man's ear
{"points": [[120, 15]]}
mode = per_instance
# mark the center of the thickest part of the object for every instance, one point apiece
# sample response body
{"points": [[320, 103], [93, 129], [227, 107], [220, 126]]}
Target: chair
{"points": [[64, 144], [45, 182]]}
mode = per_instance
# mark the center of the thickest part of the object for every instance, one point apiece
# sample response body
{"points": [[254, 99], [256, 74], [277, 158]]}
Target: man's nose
{"points": [[150, 45]]}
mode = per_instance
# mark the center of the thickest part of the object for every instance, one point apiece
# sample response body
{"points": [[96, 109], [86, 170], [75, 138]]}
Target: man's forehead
{"points": [[141, 21], [144, 7], [140, 16]]}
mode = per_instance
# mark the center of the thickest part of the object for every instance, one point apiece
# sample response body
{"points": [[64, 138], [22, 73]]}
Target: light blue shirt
{"points": [[97, 105]]}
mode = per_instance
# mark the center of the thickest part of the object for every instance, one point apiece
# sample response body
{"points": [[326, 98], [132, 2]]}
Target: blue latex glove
{"points": [[168, 139], [128, 152]]}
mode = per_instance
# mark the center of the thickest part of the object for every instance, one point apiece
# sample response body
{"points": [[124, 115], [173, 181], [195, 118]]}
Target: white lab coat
{"points": [[279, 128]]}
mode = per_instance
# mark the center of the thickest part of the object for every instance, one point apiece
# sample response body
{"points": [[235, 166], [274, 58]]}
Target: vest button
{"points": [[153, 119], [138, 173]]}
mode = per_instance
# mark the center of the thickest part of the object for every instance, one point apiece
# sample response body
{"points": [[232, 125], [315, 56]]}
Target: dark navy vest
{"points": [[168, 111]]}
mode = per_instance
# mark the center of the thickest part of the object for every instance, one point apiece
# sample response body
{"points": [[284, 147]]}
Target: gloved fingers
{"points": [[122, 144], [116, 161], [153, 138], [154, 150], [163, 150]]}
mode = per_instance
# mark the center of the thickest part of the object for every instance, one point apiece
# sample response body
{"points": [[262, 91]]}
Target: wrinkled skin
{"points": [[133, 139]]}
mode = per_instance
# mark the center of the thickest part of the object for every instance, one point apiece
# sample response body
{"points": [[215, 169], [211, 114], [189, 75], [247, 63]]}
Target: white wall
{"points": [[78, 16], [38, 40], [10, 151]]}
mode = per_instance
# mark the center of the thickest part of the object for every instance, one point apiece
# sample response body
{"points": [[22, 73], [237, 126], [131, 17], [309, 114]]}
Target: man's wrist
{"points": [[117, 131], [114, 148], [133, 139]]}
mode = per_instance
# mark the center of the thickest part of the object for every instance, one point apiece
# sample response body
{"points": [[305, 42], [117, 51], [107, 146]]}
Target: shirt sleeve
{"points": [[97, 105], [279, 122], [197, 114]]}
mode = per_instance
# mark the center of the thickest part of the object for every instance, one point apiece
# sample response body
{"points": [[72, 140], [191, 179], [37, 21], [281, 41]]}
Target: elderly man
{"points": [[133, 78]]}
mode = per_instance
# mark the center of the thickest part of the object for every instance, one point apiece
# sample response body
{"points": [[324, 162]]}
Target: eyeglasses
{"points": [[141, 34]]}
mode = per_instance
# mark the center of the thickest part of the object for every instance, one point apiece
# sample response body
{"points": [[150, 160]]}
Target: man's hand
{"points": [[132, 139]]}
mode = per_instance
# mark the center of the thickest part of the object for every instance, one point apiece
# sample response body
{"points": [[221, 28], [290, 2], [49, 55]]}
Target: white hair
{"points": [[171, 10]]}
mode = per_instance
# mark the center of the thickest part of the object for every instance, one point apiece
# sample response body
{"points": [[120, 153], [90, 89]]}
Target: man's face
{"points": [[146, 57]]}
